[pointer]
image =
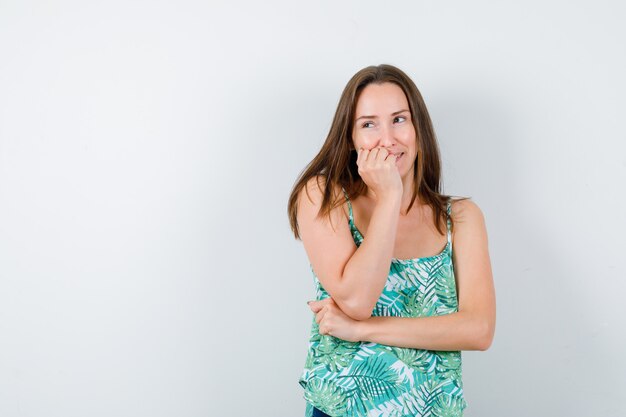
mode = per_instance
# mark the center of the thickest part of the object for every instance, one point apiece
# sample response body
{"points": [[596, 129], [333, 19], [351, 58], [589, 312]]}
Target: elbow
{"points": [[360, 316], [357, 310], [485, 338]]}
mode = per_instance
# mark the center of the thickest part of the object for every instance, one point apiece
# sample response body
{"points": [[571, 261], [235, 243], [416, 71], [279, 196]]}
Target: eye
{"points": [[366, 123], [401, 117]]}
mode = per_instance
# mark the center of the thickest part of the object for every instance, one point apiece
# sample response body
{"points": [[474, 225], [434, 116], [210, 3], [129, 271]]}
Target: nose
{"points": [[387, 138]]}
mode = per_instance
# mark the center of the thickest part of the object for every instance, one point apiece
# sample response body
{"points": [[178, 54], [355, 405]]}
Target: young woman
{"points": [[393, 310]]}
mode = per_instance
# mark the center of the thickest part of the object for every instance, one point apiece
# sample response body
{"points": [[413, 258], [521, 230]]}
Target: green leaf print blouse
{"points": [[363, 379]]}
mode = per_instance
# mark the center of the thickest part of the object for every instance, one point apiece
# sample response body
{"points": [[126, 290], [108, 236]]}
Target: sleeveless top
{"points": [[367, 379]]}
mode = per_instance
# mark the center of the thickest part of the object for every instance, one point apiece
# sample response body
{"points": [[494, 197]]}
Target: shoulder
{"points": [[468, 217], [465, 209], [315, 187], [312, 194]]}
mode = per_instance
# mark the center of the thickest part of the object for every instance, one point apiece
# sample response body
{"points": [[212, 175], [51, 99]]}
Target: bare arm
{"points": [[456, 331], [353, 278], [471, 328], [367, 270]]}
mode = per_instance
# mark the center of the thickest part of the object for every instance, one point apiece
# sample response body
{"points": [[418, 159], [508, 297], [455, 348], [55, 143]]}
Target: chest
{"points": [[416, 234]]}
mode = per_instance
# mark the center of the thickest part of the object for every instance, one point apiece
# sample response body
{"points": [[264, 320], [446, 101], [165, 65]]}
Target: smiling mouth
{"points": [[399, 156]]}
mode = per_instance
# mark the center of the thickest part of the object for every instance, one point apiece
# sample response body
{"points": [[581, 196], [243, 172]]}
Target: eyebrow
{"points": [[375, 117]]}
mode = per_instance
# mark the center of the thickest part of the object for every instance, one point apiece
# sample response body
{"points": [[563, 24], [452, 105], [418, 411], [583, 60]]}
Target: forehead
{"points": [[381, 98]]}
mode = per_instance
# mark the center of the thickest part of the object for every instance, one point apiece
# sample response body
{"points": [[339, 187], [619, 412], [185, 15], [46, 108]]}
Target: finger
{"points": [[315, 306], [320, 316], [332, 304], [323, 323], [383, 154], [363, 156], [374, 154], [389, 158]]}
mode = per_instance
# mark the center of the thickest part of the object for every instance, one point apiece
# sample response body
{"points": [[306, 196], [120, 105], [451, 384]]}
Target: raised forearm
{"points": [[366, 272], [455, 331]]}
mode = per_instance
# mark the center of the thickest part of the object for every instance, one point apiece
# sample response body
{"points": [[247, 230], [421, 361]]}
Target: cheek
{"points": [[408, 135], [365, 138], [408, 129], [359, 140]]}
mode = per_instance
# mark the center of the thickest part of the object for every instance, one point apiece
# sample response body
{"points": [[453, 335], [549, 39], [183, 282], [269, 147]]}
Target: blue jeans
{"points": [[319, 413]]}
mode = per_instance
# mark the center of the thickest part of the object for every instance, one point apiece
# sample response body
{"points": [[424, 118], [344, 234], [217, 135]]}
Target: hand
{"points": [[334, 322], [379, 171]]}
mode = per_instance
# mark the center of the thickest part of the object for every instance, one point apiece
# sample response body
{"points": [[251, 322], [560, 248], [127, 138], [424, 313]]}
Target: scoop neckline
{"points": [[410, 260]]}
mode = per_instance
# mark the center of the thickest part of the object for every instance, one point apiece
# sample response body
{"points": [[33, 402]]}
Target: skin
{"points": [[473, 326]]}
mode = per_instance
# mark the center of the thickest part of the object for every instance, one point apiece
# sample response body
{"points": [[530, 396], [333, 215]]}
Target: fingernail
{"points": [[309, 302]]}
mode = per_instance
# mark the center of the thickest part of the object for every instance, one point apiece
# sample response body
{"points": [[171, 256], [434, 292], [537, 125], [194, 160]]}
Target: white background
{"points": [[148, 148]]}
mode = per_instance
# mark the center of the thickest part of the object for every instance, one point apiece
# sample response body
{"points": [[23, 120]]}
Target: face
{"points": [[383, 118]]}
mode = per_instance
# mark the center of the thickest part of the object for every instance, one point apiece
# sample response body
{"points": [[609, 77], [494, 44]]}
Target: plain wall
{"points": [[148, 148]]}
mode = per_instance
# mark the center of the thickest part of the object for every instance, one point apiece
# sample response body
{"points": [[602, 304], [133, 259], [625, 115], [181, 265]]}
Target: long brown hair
{"points": [[335, 164]]}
